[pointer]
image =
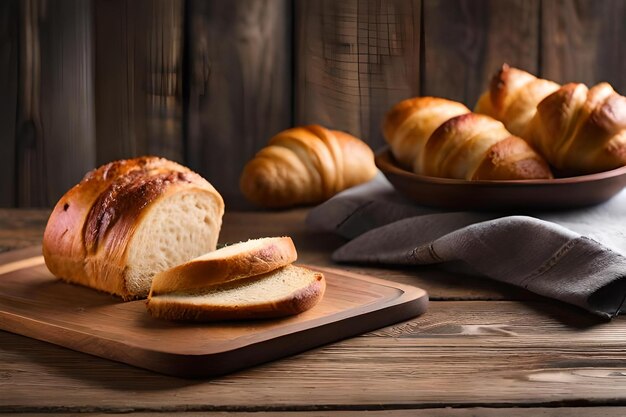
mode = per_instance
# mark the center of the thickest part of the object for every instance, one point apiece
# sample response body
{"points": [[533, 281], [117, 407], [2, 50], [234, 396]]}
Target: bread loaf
{"points": [[128, 220], [306, 165], [285, 291]]}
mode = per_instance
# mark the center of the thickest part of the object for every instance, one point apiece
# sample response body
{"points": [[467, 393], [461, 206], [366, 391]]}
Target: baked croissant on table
{"points": [[469, 146], [513, 96], [306, 165], [580, 130], [411, 122]]}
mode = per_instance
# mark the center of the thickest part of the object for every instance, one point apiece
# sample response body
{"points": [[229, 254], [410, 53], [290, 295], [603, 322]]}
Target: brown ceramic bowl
{"points": [[558, 193]]}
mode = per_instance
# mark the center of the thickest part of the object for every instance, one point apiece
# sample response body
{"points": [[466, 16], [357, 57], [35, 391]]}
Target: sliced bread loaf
{"points": [[128, 220], [285, 291], [240, 260]]}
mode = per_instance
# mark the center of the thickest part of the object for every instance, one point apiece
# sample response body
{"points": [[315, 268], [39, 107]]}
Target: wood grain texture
{"points": [[468, 354], [20, 228], [239, 84], [30, 157], [139, 78], [429, 412], [55, 133], [354, 60], [582, 41], [466, 41], [9, 18], [67, 94], [164, 87]]}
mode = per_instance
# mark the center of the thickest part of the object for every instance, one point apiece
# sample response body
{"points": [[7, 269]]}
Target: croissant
{"points": [[470, 146], [306, 165], [409, 124], [513, 96], [581, 130]]}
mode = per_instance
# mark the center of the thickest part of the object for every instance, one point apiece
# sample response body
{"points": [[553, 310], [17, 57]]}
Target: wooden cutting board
{"points": [[35, 304]]}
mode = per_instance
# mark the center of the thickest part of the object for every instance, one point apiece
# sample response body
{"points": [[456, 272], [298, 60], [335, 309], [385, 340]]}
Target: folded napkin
{"points": [[576, 256]]}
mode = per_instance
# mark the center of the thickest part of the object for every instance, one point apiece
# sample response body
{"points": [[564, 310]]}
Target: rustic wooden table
{"points": [[483, 348]]}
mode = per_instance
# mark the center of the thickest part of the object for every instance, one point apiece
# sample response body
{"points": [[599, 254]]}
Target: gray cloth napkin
{"points": [[576, 256]]}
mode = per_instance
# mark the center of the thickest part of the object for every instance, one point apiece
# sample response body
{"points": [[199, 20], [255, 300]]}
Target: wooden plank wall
{"points": [[355, 59], [55, 135], [66, 94], [208, 83], [139, 81], [239, 94], [465, 41], [9, 18], [583, 41]]}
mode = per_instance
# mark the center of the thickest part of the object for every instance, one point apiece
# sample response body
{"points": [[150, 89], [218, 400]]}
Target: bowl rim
{"points": [[385, 161]]}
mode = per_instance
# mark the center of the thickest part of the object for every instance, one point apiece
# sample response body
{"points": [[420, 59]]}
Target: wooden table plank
{"points": [[458, 354], [21, 228], [429, 412]]}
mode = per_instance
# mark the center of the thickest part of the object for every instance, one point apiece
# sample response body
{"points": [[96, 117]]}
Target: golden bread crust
{"points": [[513, 96], [581, 130], [477, 147], [466, 145], [409, 124], [306, 165], [88, 232], [200, 273], [297, 302]]}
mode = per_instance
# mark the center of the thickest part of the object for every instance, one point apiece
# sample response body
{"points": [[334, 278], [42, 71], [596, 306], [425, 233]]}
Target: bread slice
{"points": [[285, 291], [241, 260]]}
